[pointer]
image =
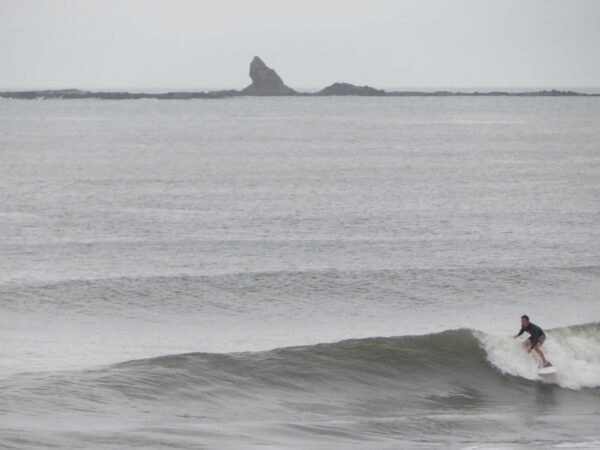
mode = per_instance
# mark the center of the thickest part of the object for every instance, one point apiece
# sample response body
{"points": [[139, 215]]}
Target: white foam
{"points": [[574, 351]]}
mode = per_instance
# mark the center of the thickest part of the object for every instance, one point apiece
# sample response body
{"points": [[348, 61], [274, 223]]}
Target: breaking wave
{"points": [[455, 369]]}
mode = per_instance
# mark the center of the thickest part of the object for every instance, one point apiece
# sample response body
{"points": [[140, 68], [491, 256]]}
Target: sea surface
{"points": [[299, 273]]}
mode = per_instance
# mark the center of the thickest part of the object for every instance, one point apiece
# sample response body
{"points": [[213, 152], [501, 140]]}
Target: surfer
{"points": [[536, 338]]}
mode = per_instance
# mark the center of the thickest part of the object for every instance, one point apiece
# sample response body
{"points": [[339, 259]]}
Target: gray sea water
{"points": [[298, 273]]}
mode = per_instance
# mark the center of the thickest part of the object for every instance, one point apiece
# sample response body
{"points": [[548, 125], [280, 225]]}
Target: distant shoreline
{"points": [[75, 94], [267, 83]]}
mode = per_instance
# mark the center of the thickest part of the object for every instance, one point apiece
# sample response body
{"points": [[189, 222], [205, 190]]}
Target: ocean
{"points": [[293, 273]]}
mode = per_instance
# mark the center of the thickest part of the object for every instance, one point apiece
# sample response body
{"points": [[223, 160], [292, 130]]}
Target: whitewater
{"points": [[299, 273]]}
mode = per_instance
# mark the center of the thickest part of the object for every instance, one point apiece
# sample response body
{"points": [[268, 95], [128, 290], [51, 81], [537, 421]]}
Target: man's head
{"points": [[525, 320]]}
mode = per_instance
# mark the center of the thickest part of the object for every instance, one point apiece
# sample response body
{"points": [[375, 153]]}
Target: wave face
{"points": [[440, 360], [444, 369], [446, 385]]}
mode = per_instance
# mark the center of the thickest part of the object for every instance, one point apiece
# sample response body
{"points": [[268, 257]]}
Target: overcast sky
{"points": [[184, 44]]}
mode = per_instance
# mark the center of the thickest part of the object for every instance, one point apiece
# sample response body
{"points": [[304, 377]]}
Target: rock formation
{"points": [[350, 89], [265, 81]]}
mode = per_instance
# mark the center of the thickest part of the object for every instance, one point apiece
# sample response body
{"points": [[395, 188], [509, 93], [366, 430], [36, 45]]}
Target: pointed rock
{"points": [[265, 81]]}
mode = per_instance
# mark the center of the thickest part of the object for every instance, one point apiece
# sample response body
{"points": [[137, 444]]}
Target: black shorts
{"points": [[540, 341]]}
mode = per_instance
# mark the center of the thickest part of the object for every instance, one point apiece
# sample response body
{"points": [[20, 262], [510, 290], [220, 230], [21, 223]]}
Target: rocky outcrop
{"points": [[265, 81], [350, 89]]}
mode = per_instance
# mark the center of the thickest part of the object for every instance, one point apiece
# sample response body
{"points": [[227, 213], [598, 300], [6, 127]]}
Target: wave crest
{"points": [[573, 351]]}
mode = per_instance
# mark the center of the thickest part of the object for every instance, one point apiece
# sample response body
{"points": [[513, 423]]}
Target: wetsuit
{"points": [[536, 334]]}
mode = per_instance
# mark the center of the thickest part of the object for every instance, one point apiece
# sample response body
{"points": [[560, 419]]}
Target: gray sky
{"points": [[184, 44]]}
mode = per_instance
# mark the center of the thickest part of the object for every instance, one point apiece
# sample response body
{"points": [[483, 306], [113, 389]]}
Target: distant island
{"points": [[266, 82]]}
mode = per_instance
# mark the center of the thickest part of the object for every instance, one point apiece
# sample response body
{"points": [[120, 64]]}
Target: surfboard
{"points": [[547, 370]]}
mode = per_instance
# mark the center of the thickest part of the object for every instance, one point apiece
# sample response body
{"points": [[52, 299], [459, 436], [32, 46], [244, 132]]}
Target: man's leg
{"points": [[539, 352]]}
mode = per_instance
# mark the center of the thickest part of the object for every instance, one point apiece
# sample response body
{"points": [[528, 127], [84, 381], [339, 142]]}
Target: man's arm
{"points": [[520, 333]]}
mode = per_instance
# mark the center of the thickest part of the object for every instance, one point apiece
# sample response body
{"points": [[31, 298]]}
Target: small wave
{"points": [[520, 273]]}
